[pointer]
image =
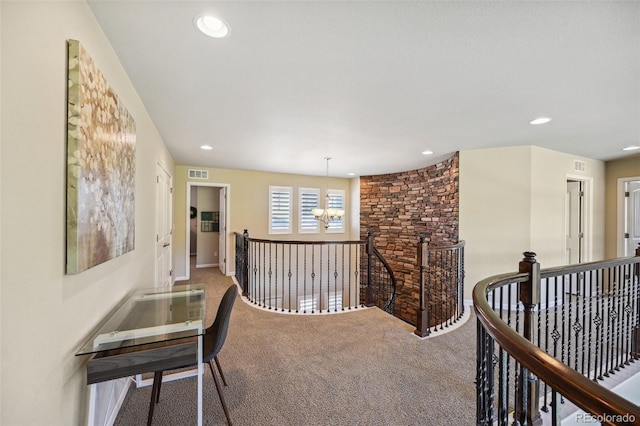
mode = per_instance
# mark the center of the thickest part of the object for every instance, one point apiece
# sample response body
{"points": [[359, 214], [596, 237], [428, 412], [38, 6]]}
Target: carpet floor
{"points": [[359, 368]]}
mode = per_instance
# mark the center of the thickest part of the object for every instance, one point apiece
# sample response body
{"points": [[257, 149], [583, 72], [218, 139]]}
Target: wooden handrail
{"points": [[584, 393]]}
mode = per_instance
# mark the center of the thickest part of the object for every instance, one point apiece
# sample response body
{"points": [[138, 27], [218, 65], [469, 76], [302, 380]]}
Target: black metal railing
{"points": [[544, 336], [441, 291], [311, 277], [378, 282]]}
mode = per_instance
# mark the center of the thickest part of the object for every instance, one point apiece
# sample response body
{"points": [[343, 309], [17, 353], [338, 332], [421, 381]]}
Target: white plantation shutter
{"points": [[309, 200], [280, 200], [336, 201]]}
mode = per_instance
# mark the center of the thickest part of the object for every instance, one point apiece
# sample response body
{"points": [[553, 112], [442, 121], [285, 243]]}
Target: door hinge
{"points": [[171, 272], [581, 194], [157, 238], [171, 190], [157, 179], [626, 235], [626, 193]]}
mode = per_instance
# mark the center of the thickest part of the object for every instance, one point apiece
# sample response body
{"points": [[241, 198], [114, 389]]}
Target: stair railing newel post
{"points": [[422, 322], [527, 410], [369, 302], [635, 338], [245, 263]]}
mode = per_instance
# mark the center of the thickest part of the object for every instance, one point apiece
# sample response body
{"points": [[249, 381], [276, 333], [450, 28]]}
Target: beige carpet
{"points": [[359, 368]]}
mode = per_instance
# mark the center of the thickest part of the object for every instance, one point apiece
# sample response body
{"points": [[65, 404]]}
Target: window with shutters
{"points": [[309, 200], [336, 201], [280, 202]]}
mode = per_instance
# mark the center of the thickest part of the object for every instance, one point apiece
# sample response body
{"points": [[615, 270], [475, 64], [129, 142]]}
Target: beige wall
{"points": [[512, 200], [627, 167], [495, 212], [248, 199], [550, 170], [45, 314]]}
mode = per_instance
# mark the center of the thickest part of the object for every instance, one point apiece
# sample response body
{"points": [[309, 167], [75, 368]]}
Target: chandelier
{"points": [[327, 214]]}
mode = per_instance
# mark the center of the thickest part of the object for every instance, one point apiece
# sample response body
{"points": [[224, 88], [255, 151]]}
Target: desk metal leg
{"points": [[92, 404], [200, 374]]}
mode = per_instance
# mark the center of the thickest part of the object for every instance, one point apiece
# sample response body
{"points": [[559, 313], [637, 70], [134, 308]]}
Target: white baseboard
{"points": [[206, 265]]}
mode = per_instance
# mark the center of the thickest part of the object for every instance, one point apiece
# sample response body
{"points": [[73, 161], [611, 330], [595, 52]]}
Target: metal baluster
{"points": [[590, 338], [599, 321], [618, 319], [510, 358], [585, 350], [342, 268], [304, 277], [563, 322], [350, 300], [545, 407], [313, 276], [320, 281], [263, 263], [576, 325], [503, 370], [609, 330], [449, 263], [570, 323], [627, 332]]}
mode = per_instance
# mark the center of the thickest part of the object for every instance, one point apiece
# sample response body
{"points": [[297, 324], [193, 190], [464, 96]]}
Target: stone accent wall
{"points": [[398, 209]]}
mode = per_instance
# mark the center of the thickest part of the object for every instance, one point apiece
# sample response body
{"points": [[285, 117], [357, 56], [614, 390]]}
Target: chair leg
{"points": [[215, 358], [155, 393], [224, 404], [159, 385]]}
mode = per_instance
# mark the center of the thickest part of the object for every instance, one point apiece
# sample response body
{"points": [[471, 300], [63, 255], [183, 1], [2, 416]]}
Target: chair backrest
{"points": [[218, 330]]}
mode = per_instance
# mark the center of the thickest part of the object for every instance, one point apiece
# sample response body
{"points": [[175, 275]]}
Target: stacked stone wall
{"points": [[399, 208]]}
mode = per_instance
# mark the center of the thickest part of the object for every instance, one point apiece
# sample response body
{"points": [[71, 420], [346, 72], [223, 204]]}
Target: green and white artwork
{"points": [[101, 149]]}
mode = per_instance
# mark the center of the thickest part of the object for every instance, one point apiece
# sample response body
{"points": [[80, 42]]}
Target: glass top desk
{"points": [[151, 330]]}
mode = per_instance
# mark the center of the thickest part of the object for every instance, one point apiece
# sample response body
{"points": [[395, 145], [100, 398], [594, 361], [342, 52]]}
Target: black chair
{"points": [[212, 342]]}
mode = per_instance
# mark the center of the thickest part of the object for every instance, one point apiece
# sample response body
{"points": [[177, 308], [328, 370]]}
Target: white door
{"points": [[163, 228], [574, 222], [222, 247], [632, 201]]}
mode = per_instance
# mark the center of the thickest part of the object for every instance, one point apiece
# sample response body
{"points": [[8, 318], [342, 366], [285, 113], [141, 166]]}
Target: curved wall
{"points": [[397, 209]]}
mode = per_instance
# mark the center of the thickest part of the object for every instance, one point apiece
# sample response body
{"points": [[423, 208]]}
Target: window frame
{"points": [[301, 211], [333, 227], [273, 189]]}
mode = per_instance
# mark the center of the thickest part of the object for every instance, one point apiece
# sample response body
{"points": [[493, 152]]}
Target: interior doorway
{"points": [[164, 234], [574, 221], [207, 225], [578, 222], [629, 215]]}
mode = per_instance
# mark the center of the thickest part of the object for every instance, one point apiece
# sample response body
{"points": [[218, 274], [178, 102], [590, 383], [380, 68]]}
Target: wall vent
{"points": [[579, 166], [198, 174]]}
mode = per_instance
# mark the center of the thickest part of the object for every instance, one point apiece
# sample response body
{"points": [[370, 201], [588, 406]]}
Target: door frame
{"points": [[587, 216], [165, 169], [621, 214], [223, 251]]}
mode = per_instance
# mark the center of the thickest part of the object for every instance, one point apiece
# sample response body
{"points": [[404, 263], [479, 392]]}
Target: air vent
{"points": [[579, 166], [198, 174]]}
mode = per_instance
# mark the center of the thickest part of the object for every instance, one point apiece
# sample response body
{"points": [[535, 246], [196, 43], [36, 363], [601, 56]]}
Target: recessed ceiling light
{"points": [[540, 120], [427, 152], [351, 174], [212, 26], [630, 148], [206, 147]]}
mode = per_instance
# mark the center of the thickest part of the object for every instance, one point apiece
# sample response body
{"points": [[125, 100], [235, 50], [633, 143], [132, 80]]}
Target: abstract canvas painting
{"points": [[101, 148]]}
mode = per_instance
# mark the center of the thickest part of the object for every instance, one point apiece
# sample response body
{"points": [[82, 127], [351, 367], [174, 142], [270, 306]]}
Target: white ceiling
{"points": [[374, 83]]}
